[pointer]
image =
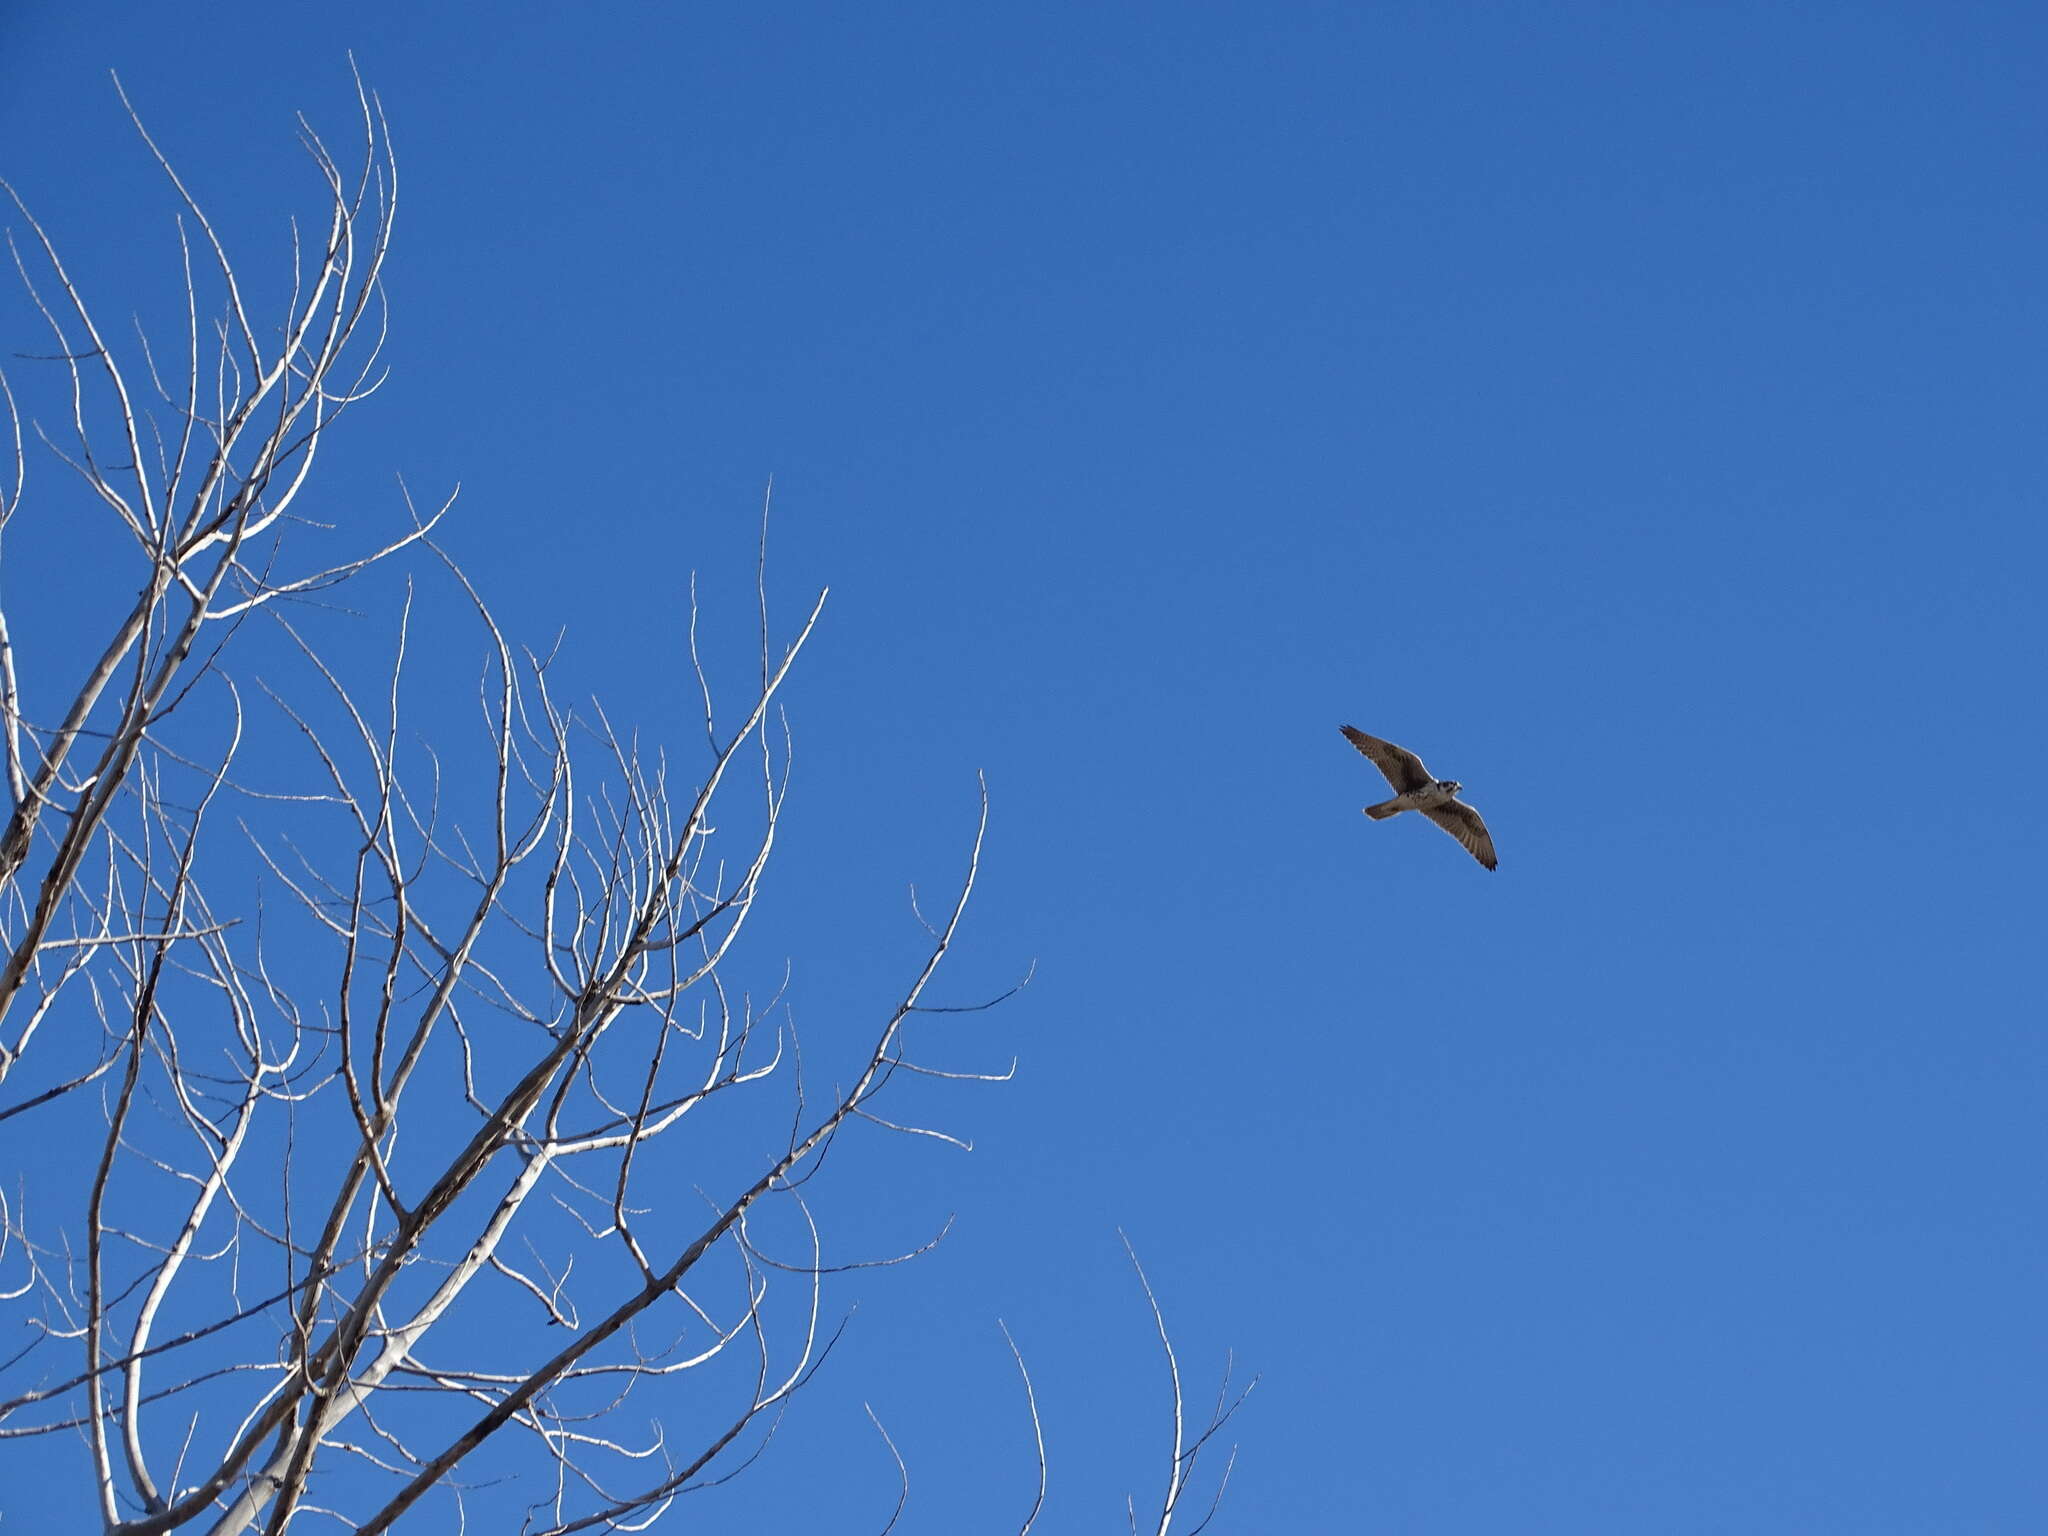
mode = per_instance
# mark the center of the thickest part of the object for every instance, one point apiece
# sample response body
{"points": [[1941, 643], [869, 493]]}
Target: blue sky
{"points": [[1634, 409]]}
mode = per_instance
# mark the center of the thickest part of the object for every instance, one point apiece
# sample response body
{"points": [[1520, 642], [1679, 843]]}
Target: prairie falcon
{"points": [[1417, 789]]}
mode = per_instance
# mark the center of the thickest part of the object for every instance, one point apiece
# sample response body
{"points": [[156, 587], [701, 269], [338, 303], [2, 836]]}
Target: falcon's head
{"points": [[1450, 784]]}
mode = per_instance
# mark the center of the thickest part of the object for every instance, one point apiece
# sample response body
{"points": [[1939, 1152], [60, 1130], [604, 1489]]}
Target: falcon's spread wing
{"points": [[1463, 823], [1403, 768]]}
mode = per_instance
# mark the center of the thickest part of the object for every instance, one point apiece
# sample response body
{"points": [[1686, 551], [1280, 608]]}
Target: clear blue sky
{"points": [[1637, 409]]}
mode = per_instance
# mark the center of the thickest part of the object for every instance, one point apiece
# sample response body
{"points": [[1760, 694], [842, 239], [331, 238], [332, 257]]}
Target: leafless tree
{"points": [[348, 1040]]}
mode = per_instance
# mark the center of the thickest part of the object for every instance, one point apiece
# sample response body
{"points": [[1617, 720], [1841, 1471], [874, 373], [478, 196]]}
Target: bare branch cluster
{"points": [[389, 1095]]}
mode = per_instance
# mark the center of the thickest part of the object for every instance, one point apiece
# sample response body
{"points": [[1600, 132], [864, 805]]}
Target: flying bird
{"points": [[1417, 789]]}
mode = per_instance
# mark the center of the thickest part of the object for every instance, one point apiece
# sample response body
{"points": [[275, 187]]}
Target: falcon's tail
{"points": [[1384, 809]]}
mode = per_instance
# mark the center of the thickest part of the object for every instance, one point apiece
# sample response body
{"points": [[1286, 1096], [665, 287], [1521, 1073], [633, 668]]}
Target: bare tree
{"points": [[380, 1062]]}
